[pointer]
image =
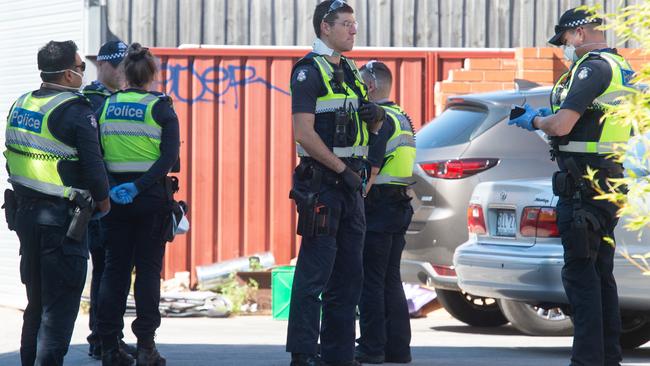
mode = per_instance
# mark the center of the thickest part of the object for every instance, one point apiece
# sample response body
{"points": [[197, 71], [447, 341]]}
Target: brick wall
{"points": [[540, 65]]}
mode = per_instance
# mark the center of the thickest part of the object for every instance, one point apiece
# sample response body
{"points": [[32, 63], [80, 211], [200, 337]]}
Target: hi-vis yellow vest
{"points": [[33, 153], [619, 86], [400, 150], [130, 136], [334, 100]]}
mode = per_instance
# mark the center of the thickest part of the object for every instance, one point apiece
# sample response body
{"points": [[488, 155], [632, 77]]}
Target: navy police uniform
{"points": [[330, 259], [134, 232], [53, 266], [385, 321], [587, 274]]}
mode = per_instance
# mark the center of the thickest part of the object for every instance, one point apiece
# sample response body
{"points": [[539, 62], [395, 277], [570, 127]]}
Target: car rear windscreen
{"points": [[454, 126]]}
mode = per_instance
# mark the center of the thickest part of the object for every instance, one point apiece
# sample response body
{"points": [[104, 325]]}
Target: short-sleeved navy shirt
{"points": [[591, 79]]}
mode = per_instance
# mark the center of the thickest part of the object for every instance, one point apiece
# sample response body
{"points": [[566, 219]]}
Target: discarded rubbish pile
{"points": [[236, 286]]}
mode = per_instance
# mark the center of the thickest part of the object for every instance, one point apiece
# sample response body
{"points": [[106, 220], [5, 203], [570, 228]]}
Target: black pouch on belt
{"points": [[306, 202], [585, 235], [10, 206], [563, 184]]}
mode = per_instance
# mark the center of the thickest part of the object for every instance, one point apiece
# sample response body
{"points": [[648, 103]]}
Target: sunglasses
{"points": [[81, 66], [334, 6], [370, 67]]}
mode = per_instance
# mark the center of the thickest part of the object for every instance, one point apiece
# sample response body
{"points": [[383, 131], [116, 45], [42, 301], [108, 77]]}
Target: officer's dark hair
{"points": [[379, 72], [56, 56], [322, 9], [139, 65]]}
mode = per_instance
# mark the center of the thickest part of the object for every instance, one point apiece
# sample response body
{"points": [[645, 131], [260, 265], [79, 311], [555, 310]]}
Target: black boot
{"points": [[148, 354], [113, 354], [299, 359]]}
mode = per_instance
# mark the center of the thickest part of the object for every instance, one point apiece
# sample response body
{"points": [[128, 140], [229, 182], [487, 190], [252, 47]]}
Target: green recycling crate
{"points": [[281, 282]]}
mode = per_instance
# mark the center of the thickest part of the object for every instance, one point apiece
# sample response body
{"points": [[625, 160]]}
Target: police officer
{"points": [[331, 123], [385, 322], [140, 137], [579, 140], [55, 166], [109, 79]]}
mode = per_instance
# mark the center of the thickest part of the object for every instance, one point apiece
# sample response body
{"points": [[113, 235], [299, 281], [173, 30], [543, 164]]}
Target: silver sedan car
{"points": [[469, 143], [514, 254]]}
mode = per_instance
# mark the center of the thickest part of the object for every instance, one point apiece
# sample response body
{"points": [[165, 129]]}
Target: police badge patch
{"points": [[302, 75], [584, 73], [93, 120]]}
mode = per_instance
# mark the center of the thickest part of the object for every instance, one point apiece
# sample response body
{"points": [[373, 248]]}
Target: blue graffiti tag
{"points": [[211, 79]]}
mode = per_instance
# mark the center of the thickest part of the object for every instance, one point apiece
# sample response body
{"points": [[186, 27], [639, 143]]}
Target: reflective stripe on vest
{"points": [[588, 147], [619, 87], [400, 150], [129, 134], [33, 153], [341, 152]]}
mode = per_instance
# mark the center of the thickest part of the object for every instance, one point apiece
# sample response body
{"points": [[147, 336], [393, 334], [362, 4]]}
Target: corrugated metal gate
{"points": [[237, 150]]}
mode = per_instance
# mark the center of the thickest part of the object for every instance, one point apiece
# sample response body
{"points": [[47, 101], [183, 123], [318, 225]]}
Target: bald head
{"points": [[378, 78]]}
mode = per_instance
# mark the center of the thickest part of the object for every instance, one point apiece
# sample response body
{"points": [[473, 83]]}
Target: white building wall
{"points": [[25, 26]]}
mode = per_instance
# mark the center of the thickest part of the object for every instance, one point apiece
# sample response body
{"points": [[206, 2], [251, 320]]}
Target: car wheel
{"points": [[534, 320], [472, 310], [636, 330]]}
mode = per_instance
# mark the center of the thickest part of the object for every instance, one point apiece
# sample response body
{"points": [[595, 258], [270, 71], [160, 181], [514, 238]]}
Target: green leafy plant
{"points": [[238, 294]]}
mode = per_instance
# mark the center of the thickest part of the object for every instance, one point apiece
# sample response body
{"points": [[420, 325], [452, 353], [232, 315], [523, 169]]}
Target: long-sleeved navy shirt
{"points": [[164, 115], [74, 124]]}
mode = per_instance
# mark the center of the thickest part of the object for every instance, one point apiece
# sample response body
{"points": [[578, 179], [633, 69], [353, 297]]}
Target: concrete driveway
{"points": [[438, 340]]}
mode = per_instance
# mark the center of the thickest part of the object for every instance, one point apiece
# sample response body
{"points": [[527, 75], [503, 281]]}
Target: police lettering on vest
{"points": [[27, 120], [128, 111]]}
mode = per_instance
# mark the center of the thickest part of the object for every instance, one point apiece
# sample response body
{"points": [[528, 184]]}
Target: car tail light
{"points": [[445, 271], [475, 219], [539, 222], [458, 168]]}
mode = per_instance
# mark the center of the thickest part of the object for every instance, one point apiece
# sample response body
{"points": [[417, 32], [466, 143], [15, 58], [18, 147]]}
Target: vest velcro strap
{"points": [[129, 167], [590, 147], [399, 141], [387, 179], [331, 105], [130, 129], [17, 138], [45, 188], [341, 152]]}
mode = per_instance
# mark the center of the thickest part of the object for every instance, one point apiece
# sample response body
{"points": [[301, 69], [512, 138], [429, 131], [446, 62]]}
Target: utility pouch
{"points": [[326, 220], [83, 211], [563, 184], [10, 206], [585, 235], [306, 202]]}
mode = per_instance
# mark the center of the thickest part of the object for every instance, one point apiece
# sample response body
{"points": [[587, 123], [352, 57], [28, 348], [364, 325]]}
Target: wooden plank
{"points": [[547, 16], [476, 23], [379, 27], [190, 22], [284, 22], [525, 22], [499, 24], [261, 22], [237, 23], [215, 22], [142, 22], [166, 33], [118, 18], [303, 17], [403, 34]]}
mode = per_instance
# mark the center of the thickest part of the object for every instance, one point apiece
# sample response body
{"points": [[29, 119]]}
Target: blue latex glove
{"points": [[544, 112], [636, 162], [127, 191], [525, 121], [120, 195]]}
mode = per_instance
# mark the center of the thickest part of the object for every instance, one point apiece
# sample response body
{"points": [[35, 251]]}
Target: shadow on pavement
{"points": [[505, 330], [258, 355]]}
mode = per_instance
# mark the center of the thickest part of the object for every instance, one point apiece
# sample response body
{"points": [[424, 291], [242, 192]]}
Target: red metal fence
{"points": [[237, 150]]}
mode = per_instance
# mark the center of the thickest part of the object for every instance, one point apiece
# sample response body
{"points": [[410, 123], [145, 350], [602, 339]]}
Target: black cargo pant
{"points": [[53, 269], [590, 286], [331, 265], [385, 321], [133, 237]]}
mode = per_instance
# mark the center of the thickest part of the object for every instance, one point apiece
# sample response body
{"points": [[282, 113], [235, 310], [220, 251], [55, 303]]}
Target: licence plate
{"points": [[506, 223]]}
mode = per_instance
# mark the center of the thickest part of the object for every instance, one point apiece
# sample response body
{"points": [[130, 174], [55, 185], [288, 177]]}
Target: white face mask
{"points": [[319, 47], [570, 53]]}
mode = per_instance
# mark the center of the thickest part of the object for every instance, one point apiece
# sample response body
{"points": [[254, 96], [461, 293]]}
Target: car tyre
{"points": [[536, 321], [636, 330], [472, 310]]}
